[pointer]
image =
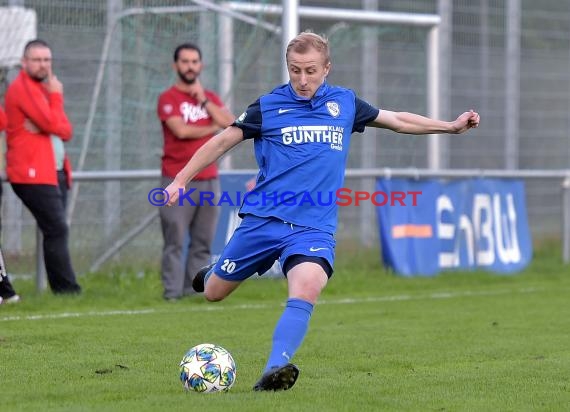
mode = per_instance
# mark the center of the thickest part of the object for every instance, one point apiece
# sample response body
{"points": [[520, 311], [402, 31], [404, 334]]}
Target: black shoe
{"points": [[198, 281], [278, 378]]}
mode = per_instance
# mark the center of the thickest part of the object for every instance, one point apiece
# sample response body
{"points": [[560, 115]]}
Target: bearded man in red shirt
{"points": [[190, 115]]}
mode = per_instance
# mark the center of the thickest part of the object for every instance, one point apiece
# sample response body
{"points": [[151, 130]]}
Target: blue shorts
{"points": [[259, 241]]}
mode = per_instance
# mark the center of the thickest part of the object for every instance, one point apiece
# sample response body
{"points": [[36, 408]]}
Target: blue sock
{"points": [[289, 332]]}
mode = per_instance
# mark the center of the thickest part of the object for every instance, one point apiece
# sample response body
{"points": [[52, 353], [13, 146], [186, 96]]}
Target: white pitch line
{"points": [[344, 301]]}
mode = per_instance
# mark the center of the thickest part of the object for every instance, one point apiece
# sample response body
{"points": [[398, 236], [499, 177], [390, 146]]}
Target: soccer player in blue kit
{"points": [[301, 132]]}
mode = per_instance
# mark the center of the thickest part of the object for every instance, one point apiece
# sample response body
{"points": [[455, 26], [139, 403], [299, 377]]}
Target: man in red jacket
{"points": [[7, 292], [36, 164]]}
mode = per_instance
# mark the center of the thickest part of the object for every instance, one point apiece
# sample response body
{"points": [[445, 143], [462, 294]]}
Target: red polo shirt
{"points": [[177, 152]]}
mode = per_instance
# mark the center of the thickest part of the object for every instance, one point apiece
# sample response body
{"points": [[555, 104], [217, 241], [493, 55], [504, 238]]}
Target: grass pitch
{"points": [[377, 342]]}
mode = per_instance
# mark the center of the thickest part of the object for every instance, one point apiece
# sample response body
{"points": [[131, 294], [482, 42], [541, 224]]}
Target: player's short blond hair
{"points": [[309, 40]]}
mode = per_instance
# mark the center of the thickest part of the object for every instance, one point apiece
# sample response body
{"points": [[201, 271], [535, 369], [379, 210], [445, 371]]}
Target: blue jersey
{"points": [[301, 147]]}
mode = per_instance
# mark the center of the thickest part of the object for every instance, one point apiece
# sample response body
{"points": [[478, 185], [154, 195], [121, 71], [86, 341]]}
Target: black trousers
{"points": [[47, 205]]}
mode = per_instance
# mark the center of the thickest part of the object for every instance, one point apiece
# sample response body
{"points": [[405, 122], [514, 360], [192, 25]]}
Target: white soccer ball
{"points": [[207, 368]]}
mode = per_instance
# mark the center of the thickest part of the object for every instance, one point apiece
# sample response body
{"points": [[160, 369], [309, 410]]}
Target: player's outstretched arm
{"points": [[206, 155], [411, 123]]}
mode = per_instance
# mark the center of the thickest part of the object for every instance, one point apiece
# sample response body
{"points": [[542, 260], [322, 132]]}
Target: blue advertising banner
{"points": [[432, 226]]}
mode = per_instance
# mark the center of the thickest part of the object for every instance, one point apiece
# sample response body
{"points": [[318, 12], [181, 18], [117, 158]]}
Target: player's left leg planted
{"points": [[279, 373], [289, 331]]}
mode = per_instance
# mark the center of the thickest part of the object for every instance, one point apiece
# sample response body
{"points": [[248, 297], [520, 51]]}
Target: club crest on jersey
{"points": [[333, 108]]}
